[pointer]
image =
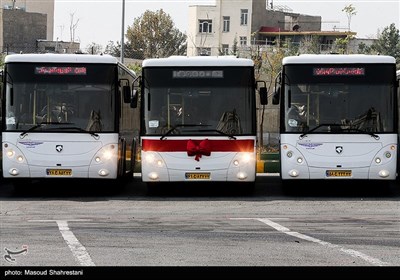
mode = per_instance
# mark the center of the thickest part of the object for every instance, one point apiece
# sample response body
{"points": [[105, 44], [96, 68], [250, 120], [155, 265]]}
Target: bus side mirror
{"points": [[126, 91], [134, 99], [275, 97], [263, 96]]}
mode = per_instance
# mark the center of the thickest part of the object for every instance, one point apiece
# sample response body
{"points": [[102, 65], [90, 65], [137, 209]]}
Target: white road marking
{"points": [[78, 250], [351, 252]]}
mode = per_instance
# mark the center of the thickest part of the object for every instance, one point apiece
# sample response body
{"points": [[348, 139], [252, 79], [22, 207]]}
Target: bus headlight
{"points": [[378, 160], [14, 154], [153, 159], [13, 171], [153, 176], [10, 153], [107, 153], [243, 158], [383, 173], [293, 173], [103, 172], [241, 175]]}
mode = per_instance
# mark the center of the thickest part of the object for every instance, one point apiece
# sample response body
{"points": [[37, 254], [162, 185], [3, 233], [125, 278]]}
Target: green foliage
{"points": [[350, 11], [113, 49], [388, 43], [154, 35], [136, 67], [341, 44]]}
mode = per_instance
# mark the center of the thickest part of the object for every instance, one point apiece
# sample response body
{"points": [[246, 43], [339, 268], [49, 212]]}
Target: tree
{"points": [[341, 44], [154, 35], [113, 49], [388, 43], [350, 11], [94, 48], [72, 27], [310, 44]]}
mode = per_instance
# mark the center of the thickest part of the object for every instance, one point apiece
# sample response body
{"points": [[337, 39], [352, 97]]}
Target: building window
{"points": [[50, 49], [225, 49], [244, 14], [203, 51], [243, 40], [205, 26], [226, 26]]}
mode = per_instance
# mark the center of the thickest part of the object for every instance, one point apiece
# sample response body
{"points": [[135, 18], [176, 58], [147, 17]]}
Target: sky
{"points": [[101, 21]]}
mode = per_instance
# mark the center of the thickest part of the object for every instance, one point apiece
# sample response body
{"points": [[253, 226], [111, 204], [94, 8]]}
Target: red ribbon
{"points": [[197, 150]]}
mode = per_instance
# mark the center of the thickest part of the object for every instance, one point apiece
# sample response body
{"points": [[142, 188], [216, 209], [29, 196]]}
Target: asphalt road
{"points": [[323, 225]]}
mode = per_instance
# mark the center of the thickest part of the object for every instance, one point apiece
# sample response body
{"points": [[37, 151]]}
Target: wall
{"points": [[22, 29], [34, 6]]}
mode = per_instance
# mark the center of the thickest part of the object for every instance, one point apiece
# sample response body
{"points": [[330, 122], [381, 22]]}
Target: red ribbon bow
{"points": [[203, 148]]}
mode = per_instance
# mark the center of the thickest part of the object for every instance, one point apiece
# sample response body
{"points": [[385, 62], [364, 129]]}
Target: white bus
{"points": [[67, 116], [199, 119], [338, 117]]}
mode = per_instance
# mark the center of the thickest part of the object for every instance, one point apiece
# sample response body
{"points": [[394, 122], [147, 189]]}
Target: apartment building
{"points": [[228, 26], [28, 25], [34, 6]]}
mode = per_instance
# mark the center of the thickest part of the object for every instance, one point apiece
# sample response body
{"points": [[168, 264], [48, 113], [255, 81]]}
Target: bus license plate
{"points": [[338, 173], [197, 176], [59, 172]]}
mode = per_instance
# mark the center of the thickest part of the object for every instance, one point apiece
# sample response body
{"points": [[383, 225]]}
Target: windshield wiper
{"points": [[36, 127], [361, 131], [94, 134], [340, 127], [220, 132], [172, 129]]}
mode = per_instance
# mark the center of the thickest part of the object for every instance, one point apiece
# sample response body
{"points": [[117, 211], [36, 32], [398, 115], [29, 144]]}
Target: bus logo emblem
{"points": [[339, 149], [59, 148]]}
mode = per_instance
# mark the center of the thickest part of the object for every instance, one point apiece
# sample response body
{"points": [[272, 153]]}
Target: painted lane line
{"points": [[350, 252], [78, 250]]}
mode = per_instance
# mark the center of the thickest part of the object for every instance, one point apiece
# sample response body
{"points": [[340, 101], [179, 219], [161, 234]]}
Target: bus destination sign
{"points": [[58, 70], [339, 71]]}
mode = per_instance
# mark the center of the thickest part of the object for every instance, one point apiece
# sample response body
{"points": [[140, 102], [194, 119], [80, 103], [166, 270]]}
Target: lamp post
{"points": [[122, 31]]}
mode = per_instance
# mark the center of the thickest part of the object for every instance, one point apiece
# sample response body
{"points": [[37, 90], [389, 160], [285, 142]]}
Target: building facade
{"points": [[20, 30], [34, 6], [229, 26], [27, 26]]}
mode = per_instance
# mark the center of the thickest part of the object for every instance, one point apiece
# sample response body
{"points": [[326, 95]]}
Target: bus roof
{"points": [[197, 61], [337, 58], [60, 58]]}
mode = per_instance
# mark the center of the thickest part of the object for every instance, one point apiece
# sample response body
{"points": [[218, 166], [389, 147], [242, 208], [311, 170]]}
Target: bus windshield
{"points": [[197, 100], [341, 105], [55, 97]]}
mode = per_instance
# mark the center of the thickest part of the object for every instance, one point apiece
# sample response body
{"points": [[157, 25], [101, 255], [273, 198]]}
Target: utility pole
{"points": [[122, 31]]}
